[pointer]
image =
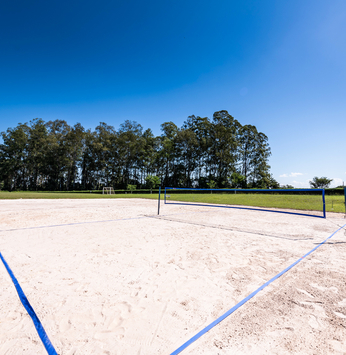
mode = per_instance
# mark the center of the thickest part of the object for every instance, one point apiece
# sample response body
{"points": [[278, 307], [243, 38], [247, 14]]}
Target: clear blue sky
{"points": [[278, 65]]}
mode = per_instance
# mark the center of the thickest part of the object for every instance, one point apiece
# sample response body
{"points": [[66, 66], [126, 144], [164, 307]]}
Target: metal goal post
{"points": [[108, 190]]}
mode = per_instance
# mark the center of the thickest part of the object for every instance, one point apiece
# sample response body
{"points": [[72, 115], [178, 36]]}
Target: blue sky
{"points": [[278, 65]]}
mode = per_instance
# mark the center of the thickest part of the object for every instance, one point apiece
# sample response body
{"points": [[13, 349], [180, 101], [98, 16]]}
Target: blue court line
{"points": [[233, 309], [38, 325], [79, 223], [70, 224], [242, 190]]}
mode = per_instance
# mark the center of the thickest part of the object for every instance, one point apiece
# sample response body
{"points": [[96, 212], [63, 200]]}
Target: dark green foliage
{"points": [[237, 180], [287, 187], [211, 184], [320, 183], [335, 191], [131, 187], [57, 157], [152, 181]]}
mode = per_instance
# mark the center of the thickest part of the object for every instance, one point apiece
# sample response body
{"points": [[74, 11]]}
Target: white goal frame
{"points": [[108, 191]]}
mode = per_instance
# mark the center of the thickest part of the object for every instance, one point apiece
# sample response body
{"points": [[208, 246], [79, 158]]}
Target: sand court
{"points": [[109, 276]]}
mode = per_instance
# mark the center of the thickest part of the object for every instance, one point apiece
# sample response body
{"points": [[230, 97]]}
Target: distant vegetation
{"points": [[57, 157], [334, 202], [320, 183]]}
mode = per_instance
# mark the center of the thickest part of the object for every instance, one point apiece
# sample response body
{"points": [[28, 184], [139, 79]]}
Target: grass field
{"points": [[298, 202]]}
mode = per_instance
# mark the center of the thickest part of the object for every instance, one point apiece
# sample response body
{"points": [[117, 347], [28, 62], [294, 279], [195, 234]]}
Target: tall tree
{"points": [[74, 149], [320, 183], [225, 144], [37, 150], [56, 156], [260, 176], [168, 153], [149, 154], [131, 144], [201, 126], [247, 145], [14, 158], [187, 150], [97, 162]]}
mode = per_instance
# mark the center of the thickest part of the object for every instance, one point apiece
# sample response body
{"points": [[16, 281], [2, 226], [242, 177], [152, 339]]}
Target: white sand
{"points": [[145, 285]]}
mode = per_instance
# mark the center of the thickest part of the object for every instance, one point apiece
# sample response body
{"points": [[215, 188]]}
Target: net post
{"points": [[158, 205], [345, 200], [324, 203], [165, 195]]}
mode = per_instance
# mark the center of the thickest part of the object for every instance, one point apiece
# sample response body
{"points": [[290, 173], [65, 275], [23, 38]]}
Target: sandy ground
{"points": [[110, 277]]}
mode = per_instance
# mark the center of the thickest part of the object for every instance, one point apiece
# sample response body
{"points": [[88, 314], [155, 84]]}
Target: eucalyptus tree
{"points": [[247, 149], [37, 153], [224, 151], [54, 155], [106, 153], [88, 162], [260, 176], [187, 154], [130, 144], [167, 157], [75, 139], [201, 127], [14, 158], [98, 156], [149, 154], [56, 159]]}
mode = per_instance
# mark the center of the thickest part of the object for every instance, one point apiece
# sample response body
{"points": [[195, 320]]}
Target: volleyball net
{"points": [[310, 202]]}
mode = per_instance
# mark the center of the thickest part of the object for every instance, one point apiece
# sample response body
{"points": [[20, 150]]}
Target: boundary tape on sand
{"points": [[233, 309], [38, 325], [88, 222], [71, 224]]}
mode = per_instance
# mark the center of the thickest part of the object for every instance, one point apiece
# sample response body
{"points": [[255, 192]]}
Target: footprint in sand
{"points": [[315, 323]]}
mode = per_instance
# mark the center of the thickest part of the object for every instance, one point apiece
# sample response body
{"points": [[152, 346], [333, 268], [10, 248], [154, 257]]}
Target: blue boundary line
{"points": [[247, 190], [71, 224], [79, 223], [233, 309], [38, 325], [249, 208]]}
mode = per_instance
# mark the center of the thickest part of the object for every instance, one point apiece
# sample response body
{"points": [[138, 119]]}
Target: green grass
{"points": [[335, 204], [298, 202]]}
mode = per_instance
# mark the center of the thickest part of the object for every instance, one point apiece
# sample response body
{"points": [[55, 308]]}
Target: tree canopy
{"points": [[320, 183], [56, 156]]}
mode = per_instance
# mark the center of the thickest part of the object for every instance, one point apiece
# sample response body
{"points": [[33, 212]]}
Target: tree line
{"points": [[203, 152]]}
